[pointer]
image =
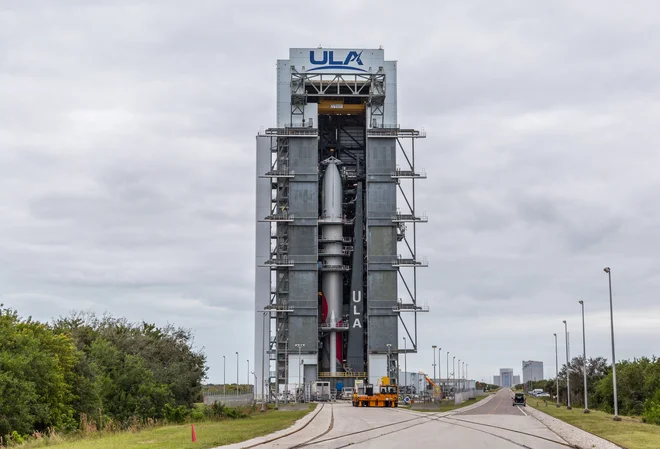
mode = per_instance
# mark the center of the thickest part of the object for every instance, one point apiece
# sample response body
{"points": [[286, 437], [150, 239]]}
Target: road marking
{"points": [[521, 410]]}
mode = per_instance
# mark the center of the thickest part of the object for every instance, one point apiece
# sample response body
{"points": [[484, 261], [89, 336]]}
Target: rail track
{"points": [[424, 419]]}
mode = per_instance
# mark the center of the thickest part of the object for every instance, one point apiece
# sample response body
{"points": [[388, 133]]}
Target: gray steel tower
{"points": [[328, 226]]}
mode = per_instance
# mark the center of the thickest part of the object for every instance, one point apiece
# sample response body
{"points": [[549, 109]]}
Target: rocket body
{"points": [[331, 281]]}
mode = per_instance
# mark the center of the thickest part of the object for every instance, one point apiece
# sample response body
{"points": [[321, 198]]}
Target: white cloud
{"points": [[127, 151]]}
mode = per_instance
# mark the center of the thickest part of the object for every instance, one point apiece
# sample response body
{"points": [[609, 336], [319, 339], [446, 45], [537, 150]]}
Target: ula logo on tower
{"points": [[328, 61]]}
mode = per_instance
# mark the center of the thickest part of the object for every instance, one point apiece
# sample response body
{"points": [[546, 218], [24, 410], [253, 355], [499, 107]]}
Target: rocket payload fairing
{"points": [[331, 281]]}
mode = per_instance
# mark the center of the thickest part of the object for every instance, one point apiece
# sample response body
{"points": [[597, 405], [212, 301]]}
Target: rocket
{"points": [[331, 281]]}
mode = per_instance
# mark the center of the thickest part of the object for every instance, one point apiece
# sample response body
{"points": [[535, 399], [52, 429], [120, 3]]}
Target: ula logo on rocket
{"points": [[328, 61], [357, 315]]}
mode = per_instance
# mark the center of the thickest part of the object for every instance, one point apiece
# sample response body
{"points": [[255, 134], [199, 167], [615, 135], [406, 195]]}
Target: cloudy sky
{"points": [[127, 151]]}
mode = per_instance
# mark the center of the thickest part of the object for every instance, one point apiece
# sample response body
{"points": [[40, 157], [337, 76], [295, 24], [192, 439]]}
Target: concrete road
{"points": [[501, 404], [494, 425]]}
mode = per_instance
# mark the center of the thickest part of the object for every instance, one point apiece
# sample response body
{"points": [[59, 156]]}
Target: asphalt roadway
{"points": [[496, 424]]}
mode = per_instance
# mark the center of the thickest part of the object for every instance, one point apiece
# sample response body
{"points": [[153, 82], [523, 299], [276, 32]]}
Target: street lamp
{"points": [[286, 370], [248, 372], [467, 381], [255, 385], [299, 346], [447, 369], [263, 362], [584, 355], [453, 373], [389, 360], [440, 371], [556, 369], [458, 381], [405, 365], [568, 371], [236, 373], [434, 346], [224, 376], [616, 405], [463, 377]]}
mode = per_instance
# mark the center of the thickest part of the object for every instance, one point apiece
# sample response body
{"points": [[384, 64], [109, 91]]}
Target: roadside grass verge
{"points": [[209, 434], [444, 406], [630, 432]]}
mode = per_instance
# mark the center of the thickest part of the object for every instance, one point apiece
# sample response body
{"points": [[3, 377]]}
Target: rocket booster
{"points": [[331, 281]]}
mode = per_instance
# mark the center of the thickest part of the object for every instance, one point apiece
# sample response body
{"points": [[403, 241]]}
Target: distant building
{"points": [[506, 377], [532, 370], [516, 380], [496, 381]]}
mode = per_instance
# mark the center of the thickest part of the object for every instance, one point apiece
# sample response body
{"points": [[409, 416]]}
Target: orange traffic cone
{"points": [[194, 436]]}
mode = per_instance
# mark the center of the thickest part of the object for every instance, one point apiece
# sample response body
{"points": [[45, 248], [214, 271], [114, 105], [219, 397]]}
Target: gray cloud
{"points": [[127, 154]]}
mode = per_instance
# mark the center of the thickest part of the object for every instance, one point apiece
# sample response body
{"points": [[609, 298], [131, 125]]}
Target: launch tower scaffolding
{"points": [[385, 268]]}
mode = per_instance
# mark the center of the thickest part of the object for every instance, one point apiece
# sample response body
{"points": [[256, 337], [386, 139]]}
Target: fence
{"points": [[459, 398], [229, 399]]}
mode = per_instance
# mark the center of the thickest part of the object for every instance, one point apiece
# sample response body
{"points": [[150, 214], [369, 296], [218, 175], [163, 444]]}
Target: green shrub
{"points": [[651, 413], [176, 415]]}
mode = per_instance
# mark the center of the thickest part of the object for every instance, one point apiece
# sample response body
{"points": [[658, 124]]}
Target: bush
{"points": [[176, 415], [651, 412]]}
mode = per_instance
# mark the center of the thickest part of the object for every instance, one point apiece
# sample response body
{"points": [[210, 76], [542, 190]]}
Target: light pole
{"points": [[263, 362], [463, 377], [584, 355], [248, 372], [458, 381], [467, 382], [236, 373], [299, 346], [286, 370], [568, 372], [389, 360], [405, 365], [447, 369], [255, 387], [616, 405], [434, 346], [557, 369], [440, 370], [224, 376], [453, 373]]}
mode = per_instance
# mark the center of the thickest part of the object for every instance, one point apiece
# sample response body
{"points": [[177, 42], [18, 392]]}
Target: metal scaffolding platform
{"points": [[402, 262], [282, 173], [278, 263], [410, 218], [408, 174], [343, 374], [343, 252], [324, 267], [338, 327], [283, 217], [401, 307]]}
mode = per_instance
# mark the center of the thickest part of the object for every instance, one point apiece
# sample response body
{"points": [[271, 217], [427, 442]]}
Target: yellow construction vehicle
{"points": [[437, 393], [386, 395]]}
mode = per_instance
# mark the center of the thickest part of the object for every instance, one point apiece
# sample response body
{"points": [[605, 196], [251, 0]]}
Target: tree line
{"points": [[637, 380], [84, 368]]}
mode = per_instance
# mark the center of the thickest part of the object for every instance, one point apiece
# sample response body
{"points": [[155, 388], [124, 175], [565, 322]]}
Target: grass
{"points": [[209, 434], [630, 432], [443, 407]]}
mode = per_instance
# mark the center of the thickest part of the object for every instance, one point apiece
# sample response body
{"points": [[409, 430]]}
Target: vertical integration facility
{"points": [[336, 250], [506, 377]]}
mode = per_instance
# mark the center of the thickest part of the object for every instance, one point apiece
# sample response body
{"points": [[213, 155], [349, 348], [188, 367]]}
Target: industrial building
{"points": [[335, 223], [516, 379], [532, 371], [506, 377]]}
